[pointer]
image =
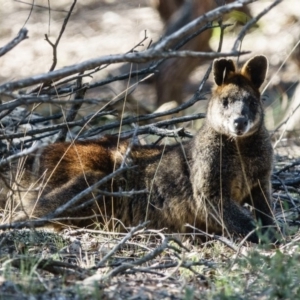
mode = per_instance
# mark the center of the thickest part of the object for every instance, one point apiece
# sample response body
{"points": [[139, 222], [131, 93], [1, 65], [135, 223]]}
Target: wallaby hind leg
{"points": [[50, 202]]}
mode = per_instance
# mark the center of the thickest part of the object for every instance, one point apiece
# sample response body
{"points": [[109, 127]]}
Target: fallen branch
{"points": [[137, 57], [22, 35], [128, 236], [249, 24]]}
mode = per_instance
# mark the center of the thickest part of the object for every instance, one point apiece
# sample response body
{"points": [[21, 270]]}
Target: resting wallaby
{"points": [[203, 182]]}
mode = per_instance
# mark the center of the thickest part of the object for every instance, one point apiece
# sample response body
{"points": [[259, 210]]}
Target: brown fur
{"points": [[203, 182]]}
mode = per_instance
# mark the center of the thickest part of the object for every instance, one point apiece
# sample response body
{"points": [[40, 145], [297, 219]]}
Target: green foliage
{"points": [[240, 17], [273, 275]]}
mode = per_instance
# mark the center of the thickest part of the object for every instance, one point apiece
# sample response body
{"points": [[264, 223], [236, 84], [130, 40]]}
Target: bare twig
{"points": [[219, 238], [249, 24], [53, 127], [287, 192], [128, 236], [55, 45], [137, 57], [52, 266], [73, 110], [40, 6], [290, 182], [153, 53], [31, 99], [146, 129], [208, 71], [284, 122], [22, 35], [23, 153], [157, 251], [287, 167], [205, 18]]}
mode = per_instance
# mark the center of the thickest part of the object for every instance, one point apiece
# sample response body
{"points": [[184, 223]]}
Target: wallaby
{"points": [[203, 182]]}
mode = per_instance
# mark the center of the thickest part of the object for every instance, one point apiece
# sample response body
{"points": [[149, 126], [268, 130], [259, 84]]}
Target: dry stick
{"points": [[222, 239], [39, 119], [53, 266], [205, 18], [151, 128], [80, 75], [128, 236], [45, 99], [41, 6], [30, 12], [58, 91], [287, 192], [284, 122], [42, 221], [157, 251], [186, 264], [29, 99], [183, 264], [23, 153], [145, 71], [5, 113], [143, 270], [129, 120], [54, 127], [285, 168], [137, 57], [55, 45], [22, 35], [289, 182], [156, 52], [249, 24], [146, 117], [73, 110], [147, 129], [196, 97], [123, 267]]}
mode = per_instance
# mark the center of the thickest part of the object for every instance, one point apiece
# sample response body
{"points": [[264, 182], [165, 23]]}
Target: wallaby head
{"points": [[235, 108]]}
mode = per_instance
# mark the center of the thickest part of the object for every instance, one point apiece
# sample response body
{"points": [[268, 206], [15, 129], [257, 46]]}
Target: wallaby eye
{"points": [[225, 102]]}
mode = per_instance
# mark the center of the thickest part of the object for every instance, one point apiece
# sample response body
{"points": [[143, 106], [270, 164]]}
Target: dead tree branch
{"points": [[55, 45], [22, 35], [158, 51], [137, 57], [128, 236], [73, 110], [249, 24], [53, 128]]}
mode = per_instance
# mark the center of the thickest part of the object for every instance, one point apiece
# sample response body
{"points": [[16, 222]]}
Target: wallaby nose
{"points": [[240, 124]]}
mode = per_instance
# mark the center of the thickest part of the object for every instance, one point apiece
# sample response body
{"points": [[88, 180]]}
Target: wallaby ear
{"points": [[255, 69], [222, 68]]}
